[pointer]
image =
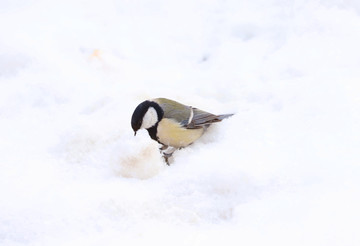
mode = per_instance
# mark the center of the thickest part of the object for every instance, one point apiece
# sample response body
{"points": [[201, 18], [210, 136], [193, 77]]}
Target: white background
{"points": [[283, 171]]}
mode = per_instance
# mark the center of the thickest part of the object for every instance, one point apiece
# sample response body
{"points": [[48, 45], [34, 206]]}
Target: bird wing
{"points": [[202, 118], [187, 116]]}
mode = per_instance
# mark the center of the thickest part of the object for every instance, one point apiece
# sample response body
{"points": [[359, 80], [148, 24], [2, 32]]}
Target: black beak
{"points": [[134, 133]]}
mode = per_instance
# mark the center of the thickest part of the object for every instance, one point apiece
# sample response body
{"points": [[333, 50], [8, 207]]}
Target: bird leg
{"points": [[167, 152]]}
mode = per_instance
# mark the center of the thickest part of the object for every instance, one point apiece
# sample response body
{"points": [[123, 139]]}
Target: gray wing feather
{"points": [[202, 118], [183, 113]]}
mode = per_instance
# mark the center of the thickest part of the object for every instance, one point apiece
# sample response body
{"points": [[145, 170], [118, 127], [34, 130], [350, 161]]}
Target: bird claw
{"points": [[166, 159], [166, 152]]}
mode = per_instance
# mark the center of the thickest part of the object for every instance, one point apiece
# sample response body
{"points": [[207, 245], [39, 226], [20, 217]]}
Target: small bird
{"points": [[172, 124]]}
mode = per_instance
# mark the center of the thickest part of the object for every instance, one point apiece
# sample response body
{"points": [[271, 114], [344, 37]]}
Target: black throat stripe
{"points": [[153, 131]]}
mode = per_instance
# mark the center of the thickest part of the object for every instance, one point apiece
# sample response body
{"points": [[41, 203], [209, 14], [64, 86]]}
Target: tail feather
{"points": [[224, 116]]}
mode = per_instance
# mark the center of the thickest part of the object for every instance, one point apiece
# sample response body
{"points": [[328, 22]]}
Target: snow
{"points": [[282, 171]]}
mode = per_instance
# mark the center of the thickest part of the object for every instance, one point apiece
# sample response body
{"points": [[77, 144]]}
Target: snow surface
{"points": [[283, 171]]}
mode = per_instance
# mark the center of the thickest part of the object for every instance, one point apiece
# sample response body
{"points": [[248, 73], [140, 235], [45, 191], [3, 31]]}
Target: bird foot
{"points": [[166, 152]]}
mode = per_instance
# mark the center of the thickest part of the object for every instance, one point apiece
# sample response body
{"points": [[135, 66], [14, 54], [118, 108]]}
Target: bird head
{"points": [[146, 115]]}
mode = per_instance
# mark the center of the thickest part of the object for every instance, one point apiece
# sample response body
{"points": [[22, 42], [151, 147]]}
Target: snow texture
{"points": [[284, 170]]}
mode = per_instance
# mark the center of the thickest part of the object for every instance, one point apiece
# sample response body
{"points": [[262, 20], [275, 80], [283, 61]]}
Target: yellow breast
{"points": [[172, 134]]}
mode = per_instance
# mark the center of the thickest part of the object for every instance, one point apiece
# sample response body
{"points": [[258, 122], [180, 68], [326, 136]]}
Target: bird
{"points": [[172, 124]]}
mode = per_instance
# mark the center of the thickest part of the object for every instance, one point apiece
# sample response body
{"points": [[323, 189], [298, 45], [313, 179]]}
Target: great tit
{"points": [[172, 124]]}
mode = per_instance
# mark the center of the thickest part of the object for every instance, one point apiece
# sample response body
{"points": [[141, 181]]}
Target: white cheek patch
{"points": [[150, 118]]}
